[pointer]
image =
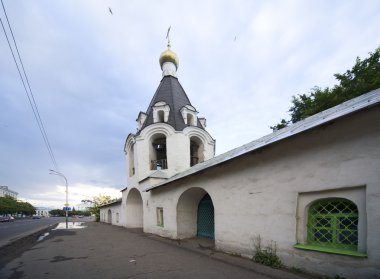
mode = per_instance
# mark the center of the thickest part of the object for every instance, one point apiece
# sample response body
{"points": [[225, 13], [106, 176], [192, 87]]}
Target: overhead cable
{"points": [[29, 93]]}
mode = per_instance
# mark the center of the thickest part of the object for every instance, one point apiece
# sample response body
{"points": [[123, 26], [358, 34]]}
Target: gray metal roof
{"points": [[364, 101], [113, 202], [171, 92]]}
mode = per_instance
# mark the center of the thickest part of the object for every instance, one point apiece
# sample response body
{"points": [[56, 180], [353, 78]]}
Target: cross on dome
{"points": [[169, 60]]}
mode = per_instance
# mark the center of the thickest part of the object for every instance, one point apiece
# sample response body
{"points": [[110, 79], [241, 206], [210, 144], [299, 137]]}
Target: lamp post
{"points": [[67, 193]]}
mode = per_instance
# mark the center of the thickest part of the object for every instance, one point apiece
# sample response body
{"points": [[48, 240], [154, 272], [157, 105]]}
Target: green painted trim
{"points": [[331, 250], [331, 232]]}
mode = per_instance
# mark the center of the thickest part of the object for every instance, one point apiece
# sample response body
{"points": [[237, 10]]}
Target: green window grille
{"points": [[333, 223]]}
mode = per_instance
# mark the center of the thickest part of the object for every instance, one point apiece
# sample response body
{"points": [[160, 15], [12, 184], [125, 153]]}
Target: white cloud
{"points": [[55, 197], [92, 72]]}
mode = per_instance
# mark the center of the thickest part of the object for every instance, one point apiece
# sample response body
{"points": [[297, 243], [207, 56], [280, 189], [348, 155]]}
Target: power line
{"points": [[29, 93]]}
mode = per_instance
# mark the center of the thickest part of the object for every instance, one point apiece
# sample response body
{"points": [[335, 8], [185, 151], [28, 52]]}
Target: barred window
{"points": [[333, 223]]}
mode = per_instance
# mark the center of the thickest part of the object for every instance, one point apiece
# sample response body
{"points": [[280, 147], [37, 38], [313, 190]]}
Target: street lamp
{"points": [[67, 193]]}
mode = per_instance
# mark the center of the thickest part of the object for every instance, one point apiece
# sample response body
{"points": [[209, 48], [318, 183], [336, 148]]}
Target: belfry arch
{"points": [[131, 160], [157, 152], [195, 214], [196, 151], [134, 209]]}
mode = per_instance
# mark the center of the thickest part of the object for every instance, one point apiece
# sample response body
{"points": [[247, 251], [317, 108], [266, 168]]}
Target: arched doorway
{"points": [[134, 209], [205, 218], [109, 219], [195, 214]]}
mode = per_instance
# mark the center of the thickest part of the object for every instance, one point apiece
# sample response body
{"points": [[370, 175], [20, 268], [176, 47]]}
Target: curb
{"points": [[20, 236], [14, 247]]}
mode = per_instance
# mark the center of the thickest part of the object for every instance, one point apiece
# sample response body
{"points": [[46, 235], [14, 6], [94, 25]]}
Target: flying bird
{"points": [[110, 10]]}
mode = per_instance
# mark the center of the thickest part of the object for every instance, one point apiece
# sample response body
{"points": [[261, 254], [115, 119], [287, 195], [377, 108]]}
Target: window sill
{"points": [[330, 250]]}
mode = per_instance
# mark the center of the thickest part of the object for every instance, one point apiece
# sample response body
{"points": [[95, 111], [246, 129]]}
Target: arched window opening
{"points": [[194, 159], [161, 112], [109, 216], [189, 115], [196, 151], [131, 161], [161, 116], [158, 156], [333, 223], [190, 119]]}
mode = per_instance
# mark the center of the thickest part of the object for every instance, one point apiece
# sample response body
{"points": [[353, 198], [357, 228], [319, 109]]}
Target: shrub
{"points": [[267, 255]]}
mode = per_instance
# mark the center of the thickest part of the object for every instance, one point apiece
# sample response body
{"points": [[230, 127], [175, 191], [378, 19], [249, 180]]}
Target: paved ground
{"points": [[104, 251]]}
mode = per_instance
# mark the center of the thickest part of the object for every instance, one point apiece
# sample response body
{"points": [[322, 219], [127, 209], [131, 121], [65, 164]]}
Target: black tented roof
{"points": [[171, 92]]}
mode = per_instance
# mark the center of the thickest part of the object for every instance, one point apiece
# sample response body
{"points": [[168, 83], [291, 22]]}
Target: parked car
{"points": [[7, 219], [36, 217]]}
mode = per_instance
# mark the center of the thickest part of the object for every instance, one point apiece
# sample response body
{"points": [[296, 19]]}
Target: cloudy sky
{"points": [[92, 72]]}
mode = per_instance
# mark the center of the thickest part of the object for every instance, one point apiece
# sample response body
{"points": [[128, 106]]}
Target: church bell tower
{"points": [[170, 136]]}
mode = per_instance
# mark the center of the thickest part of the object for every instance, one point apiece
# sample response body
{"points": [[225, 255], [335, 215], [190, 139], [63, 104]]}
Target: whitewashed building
{"points": [[313, 188], [110, 213], [5, 191], [43, 211]]}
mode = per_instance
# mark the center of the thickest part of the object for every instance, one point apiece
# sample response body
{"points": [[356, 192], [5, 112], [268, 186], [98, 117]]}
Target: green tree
{"points": [[97, 202], [57, 212], [9, 205], [26, 208], [79, 212], [362, 78]]}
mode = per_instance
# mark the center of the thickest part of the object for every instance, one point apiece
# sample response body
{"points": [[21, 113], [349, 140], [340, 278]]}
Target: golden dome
{"points": [[169, 56]]}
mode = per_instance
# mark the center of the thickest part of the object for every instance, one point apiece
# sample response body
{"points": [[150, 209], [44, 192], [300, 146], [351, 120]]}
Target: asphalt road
{"points": [[9, 231], [98, 250]]}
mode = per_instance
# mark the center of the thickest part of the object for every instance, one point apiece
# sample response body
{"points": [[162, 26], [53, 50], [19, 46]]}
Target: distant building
{"points": [[43, 211], [5, 191], [83, 206]]}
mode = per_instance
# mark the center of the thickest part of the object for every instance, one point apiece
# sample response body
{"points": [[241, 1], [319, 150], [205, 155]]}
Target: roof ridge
{"points": [[172, 97]]}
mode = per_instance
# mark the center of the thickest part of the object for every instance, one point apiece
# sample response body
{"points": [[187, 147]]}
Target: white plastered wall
{"points": [[256, 194], [114, 209]]}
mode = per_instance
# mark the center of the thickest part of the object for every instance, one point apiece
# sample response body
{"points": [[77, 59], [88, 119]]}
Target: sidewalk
{"points": [[98, 250]]}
